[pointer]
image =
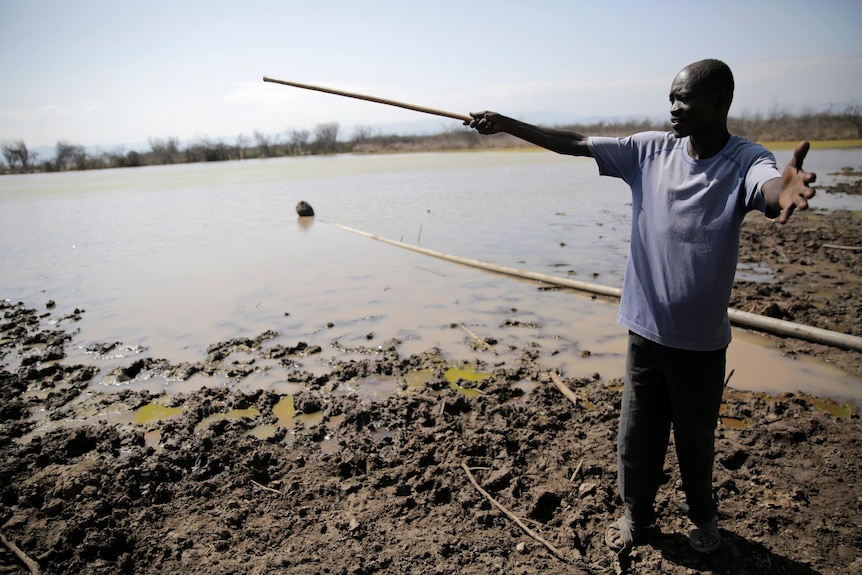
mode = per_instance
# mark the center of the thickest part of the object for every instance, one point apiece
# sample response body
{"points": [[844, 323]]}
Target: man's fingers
{"points": [[800, 202], [785, 214], [482, 122], [799, 154], [478, 119]]}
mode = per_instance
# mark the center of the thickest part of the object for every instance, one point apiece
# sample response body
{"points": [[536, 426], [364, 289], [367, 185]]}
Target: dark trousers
{"points": [[664, 388]]}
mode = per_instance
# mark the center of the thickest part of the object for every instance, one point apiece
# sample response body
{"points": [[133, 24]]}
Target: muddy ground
{"points": [[334, 483]]}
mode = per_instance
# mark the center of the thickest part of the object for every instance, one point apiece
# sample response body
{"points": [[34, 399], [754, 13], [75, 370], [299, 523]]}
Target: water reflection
{"points": [[305, 223]]}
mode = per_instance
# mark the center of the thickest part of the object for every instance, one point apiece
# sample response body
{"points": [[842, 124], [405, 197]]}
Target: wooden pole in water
{"points": [[374, 99], [737, 317], [597, 289]]}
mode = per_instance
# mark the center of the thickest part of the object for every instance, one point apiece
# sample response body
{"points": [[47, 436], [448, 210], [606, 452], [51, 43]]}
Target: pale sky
{"points": [[112, 72]]}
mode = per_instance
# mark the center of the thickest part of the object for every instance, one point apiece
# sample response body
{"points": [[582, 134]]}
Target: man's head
{"points": [[700, 98]]}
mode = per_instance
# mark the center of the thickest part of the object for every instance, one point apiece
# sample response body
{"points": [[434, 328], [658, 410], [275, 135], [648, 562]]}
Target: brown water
{"points": [[169, 260]]}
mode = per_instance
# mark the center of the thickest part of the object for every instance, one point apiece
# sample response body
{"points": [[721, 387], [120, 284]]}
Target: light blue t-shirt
{"points": [[686, 216]]}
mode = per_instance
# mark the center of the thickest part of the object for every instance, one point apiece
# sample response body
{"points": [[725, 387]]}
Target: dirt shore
{"points": [[325, 481]]}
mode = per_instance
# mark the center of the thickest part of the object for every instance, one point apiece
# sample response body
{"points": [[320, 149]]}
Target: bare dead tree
{"points": [[165, 151], [325, 138], [16, 153], [241, 146], [69, 156], [363, 134], [79, 157], [265, 144], [297, 141], [10, 155]]}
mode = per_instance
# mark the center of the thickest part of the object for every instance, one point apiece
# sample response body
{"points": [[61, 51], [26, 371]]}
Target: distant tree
{"points": [[10, 154], [325, 138], [215, 150], [298, 142], [265, 144], [16, 153], [119, 158], [363, 134], [241, 146], [69, 156], [165, 151], [80, 158], [194, 153], [852, 117], [114, 159], [24, 156]]}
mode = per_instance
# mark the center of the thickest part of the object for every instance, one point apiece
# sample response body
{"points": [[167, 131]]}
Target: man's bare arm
{"points": [[553, 139]]}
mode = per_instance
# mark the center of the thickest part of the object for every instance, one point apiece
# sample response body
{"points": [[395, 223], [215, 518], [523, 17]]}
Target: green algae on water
{"points": [[234, 414], [833, 408], [285, 411], [469, 374], [453, 374], [418, 379], [155, 411]]}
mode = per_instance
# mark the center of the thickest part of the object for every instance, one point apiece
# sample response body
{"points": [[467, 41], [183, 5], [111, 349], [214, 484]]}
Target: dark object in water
{"points": [[304, 209]]}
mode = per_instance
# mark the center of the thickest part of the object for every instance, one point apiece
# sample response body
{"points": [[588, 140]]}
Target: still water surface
{"points": [[167, 260]]}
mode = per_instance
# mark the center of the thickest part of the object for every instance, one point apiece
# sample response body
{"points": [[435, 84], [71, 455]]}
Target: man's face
{"points": [[694, 109]]}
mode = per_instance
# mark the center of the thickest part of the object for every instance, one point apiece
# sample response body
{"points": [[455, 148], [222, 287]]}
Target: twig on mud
{"points": [[23, 557], [837, 247], [565, 389], [484, 343], [729, 375], [513, 517], [577, 470], [256, 484]]}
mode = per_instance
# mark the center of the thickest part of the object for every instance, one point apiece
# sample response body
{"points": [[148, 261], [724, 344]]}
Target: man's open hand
{"points": [[795, 191]]}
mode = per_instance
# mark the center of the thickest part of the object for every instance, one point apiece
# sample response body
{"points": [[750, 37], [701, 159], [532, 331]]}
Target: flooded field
{"points": [[166, 261]]}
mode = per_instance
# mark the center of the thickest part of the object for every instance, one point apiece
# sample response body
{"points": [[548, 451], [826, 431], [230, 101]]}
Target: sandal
{"points": [[705, 538], [622, 535]]}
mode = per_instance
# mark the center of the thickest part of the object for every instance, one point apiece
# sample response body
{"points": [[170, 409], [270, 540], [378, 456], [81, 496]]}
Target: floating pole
{"points": [[374, 99], [566, 282], [737, 317], [792, 329]]}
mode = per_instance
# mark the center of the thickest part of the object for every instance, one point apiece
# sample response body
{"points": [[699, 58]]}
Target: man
{"points": [[691, 189]]}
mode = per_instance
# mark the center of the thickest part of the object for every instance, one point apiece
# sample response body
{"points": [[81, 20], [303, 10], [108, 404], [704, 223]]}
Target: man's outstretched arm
{"points": [[556, 140]]}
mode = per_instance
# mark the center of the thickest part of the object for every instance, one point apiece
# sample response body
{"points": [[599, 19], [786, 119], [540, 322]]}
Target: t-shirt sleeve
{"points": [[623, 157], [762, 170], [614, 156]]}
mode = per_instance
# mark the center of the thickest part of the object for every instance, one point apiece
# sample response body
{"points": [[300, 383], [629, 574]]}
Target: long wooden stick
{"points": [[23, 557], [737, 317], [265, 488], [374, 99], [515, 518], [836, 247]]}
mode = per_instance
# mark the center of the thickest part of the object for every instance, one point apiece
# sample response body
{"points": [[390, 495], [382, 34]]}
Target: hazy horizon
{"points": [[106, 74]]}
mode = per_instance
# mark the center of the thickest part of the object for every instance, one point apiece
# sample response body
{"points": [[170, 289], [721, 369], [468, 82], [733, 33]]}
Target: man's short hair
{"points": [[715, 75]]}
